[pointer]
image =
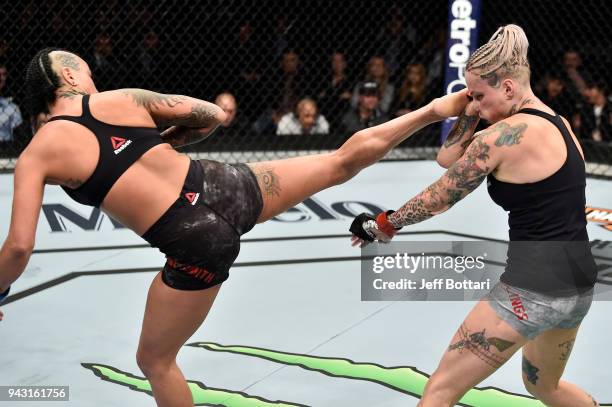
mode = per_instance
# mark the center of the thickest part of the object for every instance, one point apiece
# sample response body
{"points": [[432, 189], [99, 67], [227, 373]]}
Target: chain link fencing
{"points": [[324, 69]]}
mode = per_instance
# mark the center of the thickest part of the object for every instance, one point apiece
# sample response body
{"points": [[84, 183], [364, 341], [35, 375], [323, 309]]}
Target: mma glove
{"points": [[4, 294], [369, 229]]}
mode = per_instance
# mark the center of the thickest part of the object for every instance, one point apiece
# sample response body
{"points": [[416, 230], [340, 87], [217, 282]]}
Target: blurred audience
{"points": [[576, 75], [367, 113], [432, 55], [284, 91], [292, 84], [305, 120], [234, 124], [4, 49], [595, 119], [414, 92], [103, 63], [556, 95], [377, 72], [395, 41], [405, 70], [335, 94], [150, 59], [10, 115], [245, 70]]}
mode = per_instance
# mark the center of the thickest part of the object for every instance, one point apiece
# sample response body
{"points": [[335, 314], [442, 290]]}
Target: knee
{"points": [[342, 167], [439, 393], [152, 364]]}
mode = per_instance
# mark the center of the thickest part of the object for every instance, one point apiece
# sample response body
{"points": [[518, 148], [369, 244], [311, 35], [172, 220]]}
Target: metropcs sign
{"points": [[463, 39], [58, 215]]}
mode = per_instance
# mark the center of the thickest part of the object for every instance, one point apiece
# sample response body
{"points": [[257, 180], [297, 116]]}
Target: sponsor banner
{"points": [[463, 24]]}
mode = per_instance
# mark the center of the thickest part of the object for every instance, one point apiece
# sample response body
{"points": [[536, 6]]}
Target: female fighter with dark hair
{"points": [[104, 150]]}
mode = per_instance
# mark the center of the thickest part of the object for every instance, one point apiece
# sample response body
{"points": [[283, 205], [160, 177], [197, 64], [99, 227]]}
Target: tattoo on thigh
{"points": [[566, 349], [530, 371], [480, 345], [269, 180]]}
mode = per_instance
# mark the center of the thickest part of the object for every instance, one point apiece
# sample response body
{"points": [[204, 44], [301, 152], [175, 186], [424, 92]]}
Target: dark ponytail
{"points": [[41, 82]]}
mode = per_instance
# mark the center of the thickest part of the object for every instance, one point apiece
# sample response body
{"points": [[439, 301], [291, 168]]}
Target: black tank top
{"points": [[120, 147], [549, 247]]}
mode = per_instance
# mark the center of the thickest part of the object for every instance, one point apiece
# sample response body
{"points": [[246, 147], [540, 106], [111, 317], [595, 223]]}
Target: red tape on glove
{"points": [[384, 225]]}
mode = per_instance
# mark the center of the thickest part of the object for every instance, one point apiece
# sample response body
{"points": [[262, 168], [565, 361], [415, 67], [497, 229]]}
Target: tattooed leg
{"points": [[268, 180], [531, 372], [566, 349], [544, 360], [480, 346]]}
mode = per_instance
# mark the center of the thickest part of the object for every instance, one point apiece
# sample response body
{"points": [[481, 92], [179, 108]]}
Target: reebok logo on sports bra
{"points": [[119, 144]]}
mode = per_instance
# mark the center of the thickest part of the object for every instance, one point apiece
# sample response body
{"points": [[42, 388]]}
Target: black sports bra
{"points": [[120, 147]]}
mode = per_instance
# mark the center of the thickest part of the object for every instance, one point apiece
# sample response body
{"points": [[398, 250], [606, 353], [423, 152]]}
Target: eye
{"points": [[479, 97]]}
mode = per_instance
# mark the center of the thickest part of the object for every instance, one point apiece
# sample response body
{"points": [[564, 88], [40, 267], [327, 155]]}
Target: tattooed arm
{"points": [[459, 138], [464, 176], [483, 155], [191, 119]]}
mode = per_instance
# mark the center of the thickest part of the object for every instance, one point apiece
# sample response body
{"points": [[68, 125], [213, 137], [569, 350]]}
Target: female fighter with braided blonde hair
{"points": [[535, 171]]}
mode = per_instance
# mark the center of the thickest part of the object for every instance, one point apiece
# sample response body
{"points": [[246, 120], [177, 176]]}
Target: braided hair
{"points": [[41, 82], [505, 54]]}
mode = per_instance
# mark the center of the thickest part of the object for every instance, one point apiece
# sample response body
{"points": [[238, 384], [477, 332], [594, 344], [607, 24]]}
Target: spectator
{"points": [[285, 93], [595, 119], [335, 94], [61, 30], [396, 41], [4, 49], [234, 124], [104, 66], [246, 62], [305, 120], [432, 55], [414, 92], [290, 88], [377, 72], [367, 113], [557, 97], [10, 115], [149, 57], [575, 74]]}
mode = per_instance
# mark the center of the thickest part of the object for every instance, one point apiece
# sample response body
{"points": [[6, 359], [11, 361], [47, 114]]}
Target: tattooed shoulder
{"points": [[505, 134]]}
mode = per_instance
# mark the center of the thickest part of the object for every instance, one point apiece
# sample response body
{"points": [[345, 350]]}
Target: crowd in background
{"points": [[273, 81]]}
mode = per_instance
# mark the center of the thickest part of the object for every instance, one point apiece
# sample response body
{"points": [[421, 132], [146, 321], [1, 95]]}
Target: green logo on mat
{"points": [[407, 380]]}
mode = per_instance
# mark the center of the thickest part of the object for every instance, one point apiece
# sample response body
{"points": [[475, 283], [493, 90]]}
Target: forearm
{"points": [[12, 263], [458, 139], [179, 136], [421, 207], [201, 115], [398, 128]]}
